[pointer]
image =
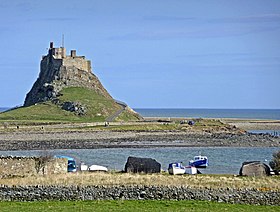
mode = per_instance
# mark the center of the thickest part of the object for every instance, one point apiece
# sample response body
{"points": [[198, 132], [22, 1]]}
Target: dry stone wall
{"points": [[71, 193], [26, 166]]}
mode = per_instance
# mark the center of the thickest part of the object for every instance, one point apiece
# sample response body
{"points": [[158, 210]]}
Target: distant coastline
{"points": [[4, 109], [267, 114], [270, 114]]}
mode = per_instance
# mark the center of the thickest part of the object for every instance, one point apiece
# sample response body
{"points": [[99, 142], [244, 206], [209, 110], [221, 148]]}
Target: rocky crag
{"points": [[59, 71]]}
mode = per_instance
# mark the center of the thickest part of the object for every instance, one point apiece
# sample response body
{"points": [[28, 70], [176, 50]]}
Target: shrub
{"points": [[275, 163]]}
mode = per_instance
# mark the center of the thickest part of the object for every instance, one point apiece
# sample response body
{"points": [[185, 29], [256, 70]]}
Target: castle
{"points": [[59, 70], [59, 55]]}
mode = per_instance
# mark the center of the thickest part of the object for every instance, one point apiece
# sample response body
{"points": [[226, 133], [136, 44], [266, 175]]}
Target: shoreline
{"points": [[109, 139], [46, 135]]}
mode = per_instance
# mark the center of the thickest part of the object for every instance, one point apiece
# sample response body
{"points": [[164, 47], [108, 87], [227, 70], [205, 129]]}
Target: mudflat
{"points": [[118, 135]]}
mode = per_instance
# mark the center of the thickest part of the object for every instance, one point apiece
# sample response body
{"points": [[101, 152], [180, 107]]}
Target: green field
{"points": [[131, 205]]}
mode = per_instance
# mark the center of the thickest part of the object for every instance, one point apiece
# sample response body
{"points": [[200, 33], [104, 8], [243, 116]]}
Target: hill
{"points": [[67, 90], [96, 108]]}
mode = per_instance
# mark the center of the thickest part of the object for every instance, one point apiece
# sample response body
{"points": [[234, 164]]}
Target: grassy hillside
{"points": [[98, 108]]}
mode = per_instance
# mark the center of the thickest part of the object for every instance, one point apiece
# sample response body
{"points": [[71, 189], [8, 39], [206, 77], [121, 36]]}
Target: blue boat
{"points": [[199, 161], [71, 163]]}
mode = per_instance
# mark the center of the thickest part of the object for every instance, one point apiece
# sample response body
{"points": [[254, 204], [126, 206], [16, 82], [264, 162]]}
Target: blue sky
{"points": [[151, 53]]}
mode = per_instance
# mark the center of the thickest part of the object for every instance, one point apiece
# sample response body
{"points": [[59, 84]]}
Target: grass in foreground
{"points": [[130, 205]]}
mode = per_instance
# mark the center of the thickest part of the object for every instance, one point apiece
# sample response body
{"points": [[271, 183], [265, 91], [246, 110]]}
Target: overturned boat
{"points": [[97, 168]]}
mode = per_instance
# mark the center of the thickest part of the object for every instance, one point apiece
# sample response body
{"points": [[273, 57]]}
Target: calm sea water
{"points": [[222, 160], [3, 108], [207, 113], [212, 113]]}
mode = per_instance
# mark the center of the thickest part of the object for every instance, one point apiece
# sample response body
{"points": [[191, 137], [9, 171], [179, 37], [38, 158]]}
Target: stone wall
{"points": [[43, 193], [26, 166], [78, 62]]}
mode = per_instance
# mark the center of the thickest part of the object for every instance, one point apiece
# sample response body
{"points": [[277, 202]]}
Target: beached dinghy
{"points": [[199, 161], [97, 168], [176, 168], [191, 170]]}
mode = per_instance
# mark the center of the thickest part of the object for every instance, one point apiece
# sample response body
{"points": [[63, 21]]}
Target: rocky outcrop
{"points": [[75, 107], [254, 169], [142, 165], [57, 71]]}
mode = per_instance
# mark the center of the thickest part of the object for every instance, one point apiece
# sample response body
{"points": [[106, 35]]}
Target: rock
{"points": [[254, 168], [76, 107], [145, 165]]}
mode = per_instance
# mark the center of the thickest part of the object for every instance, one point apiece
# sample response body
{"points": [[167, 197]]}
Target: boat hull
{"points": [[199, 163], [175, 171], [97, 168]]}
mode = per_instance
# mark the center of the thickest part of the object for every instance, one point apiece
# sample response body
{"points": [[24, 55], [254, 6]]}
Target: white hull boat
{"points": [[176, 168], [191, 170], [96, 168], [84, 167]]}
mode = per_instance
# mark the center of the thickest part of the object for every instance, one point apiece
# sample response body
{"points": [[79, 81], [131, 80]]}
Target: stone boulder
{"points": [[142, 165], [254, 168], [76, 107]]}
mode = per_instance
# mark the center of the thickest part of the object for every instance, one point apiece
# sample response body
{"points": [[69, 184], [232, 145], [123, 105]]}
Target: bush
{"points": [[275, 163]]}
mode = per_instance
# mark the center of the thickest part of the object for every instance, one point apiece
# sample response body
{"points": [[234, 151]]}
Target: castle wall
{"points": [[26, 166], [58, 53], [78, 62]]}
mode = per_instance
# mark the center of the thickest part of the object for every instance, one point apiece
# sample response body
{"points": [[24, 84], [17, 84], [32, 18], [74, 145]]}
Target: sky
{"points": [[151, 53]]}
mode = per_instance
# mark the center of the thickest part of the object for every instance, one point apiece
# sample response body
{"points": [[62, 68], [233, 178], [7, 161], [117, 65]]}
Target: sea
{"points": [[222, 160], [272, 114]]}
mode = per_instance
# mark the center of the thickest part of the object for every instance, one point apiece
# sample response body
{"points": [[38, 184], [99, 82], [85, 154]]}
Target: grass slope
{"points": [[98, 108], [131, 205]]}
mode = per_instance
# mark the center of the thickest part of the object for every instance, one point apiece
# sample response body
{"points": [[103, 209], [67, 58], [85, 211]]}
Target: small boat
{"points": [[176, 168], [96, 168], [199, 161], [84, 167], [191, 170]]}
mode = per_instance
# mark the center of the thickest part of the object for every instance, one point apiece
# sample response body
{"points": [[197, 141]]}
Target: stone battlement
{"points": [[72, 60]]}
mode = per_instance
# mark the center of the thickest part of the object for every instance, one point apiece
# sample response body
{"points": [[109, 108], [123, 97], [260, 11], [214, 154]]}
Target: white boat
{"points": [[84, 167], [176, 168], [97, 168], [199, 161], [190, 170]]}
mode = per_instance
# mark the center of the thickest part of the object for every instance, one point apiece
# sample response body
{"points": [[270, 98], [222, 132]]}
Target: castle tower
{"points": [[58, 70]]}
